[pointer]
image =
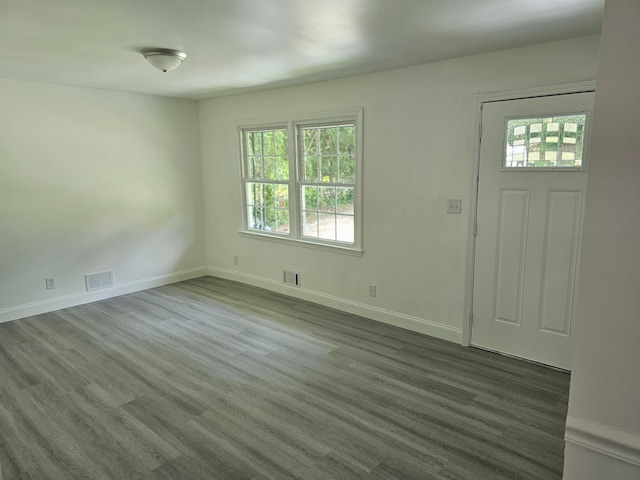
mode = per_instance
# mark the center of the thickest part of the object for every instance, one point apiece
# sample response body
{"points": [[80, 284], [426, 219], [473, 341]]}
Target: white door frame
{"points": [[479, 100]]}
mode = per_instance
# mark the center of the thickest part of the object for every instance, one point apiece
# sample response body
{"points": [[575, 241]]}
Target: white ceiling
{"points": [[242, 45]]}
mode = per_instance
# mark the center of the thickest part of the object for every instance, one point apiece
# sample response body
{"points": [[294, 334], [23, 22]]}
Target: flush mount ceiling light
{"points": [[164, 59]]}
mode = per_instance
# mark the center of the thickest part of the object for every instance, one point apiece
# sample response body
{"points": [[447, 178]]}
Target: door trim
{"points": [[479, 99]]}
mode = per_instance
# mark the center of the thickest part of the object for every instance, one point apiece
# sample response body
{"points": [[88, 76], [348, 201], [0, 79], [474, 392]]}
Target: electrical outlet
{"points": [[50, 283], [454, 205], [235, 260], [372, 290]]}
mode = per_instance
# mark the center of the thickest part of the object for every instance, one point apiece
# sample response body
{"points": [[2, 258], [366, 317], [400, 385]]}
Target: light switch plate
{"points": [[454, 206]]}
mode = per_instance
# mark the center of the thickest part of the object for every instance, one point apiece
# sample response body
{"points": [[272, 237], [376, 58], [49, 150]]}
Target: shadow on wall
{"points": [[136, 236]]}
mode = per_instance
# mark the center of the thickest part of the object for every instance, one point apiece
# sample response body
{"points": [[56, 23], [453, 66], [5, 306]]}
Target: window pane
{"points": [[254, 193], [344, 200], [336, 145], [268, 207], [310, 224], [282, 196], [268, 195], [309, 198], [269, 168], [282, 168], [347, 140], [345, 228], [347, 169], [329, 140], [329, 168], [545, 142], [311, 168], [256, 218], [326, 226], [269, 219], [254, 143], [311, 137], [268, 143], [281, 145], [327, 199], [254, 167], [282, 221], [267, 156]]}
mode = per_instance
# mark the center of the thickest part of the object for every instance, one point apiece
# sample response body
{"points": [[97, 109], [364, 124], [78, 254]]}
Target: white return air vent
{"points": [[97, 281], [292, 278]]}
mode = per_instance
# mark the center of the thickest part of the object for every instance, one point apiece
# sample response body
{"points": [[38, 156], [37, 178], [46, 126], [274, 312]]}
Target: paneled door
{"points": [[531, 193]]}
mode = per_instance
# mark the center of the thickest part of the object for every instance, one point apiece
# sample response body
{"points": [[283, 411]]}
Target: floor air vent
{"points": [[96, 281], [292, 278]]}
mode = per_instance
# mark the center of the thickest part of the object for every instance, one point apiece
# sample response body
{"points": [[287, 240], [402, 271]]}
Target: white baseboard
{"points": [[49, 305], [604, 439], [407, 322]]}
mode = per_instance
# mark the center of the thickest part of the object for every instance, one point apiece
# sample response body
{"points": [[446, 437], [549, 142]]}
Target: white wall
{"points": [[603, 426], [94, 180], [418, 127]]}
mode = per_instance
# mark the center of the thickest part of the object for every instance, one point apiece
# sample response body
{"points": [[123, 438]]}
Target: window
{"points": [[301, 180], [543, 143], [328, 188], [267, 179]]}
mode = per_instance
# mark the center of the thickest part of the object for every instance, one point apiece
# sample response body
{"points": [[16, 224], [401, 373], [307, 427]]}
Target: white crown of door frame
{"points": [[478, 100]]}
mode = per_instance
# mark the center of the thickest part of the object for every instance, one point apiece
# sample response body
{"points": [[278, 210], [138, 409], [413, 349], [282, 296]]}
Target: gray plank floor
{"points": [[210, 379]]}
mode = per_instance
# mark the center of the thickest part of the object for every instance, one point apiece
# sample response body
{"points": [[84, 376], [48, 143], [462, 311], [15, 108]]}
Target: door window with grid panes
{"points": [[302, 180], [547, 142]]}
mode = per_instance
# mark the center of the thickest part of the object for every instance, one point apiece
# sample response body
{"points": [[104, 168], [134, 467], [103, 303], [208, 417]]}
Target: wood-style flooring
{"points": [[210, 379]]}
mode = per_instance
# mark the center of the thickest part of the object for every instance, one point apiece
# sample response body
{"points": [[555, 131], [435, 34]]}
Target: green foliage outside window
{"points": [[325, 180], [542, 137], [329, 157], [268, 161]]}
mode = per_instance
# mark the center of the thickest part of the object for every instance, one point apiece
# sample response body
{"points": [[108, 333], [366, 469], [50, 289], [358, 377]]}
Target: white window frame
{"points": [[296, 178]]}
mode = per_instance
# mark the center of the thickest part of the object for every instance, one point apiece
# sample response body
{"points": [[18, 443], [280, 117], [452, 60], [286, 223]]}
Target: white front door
{"points": [[531, 194]]}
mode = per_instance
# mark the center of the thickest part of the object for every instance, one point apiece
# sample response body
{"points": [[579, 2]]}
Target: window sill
{"points": [[353, 251]]}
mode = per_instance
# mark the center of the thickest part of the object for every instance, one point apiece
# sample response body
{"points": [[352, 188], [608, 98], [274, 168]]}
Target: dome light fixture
{"points": [[164, 59]]}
